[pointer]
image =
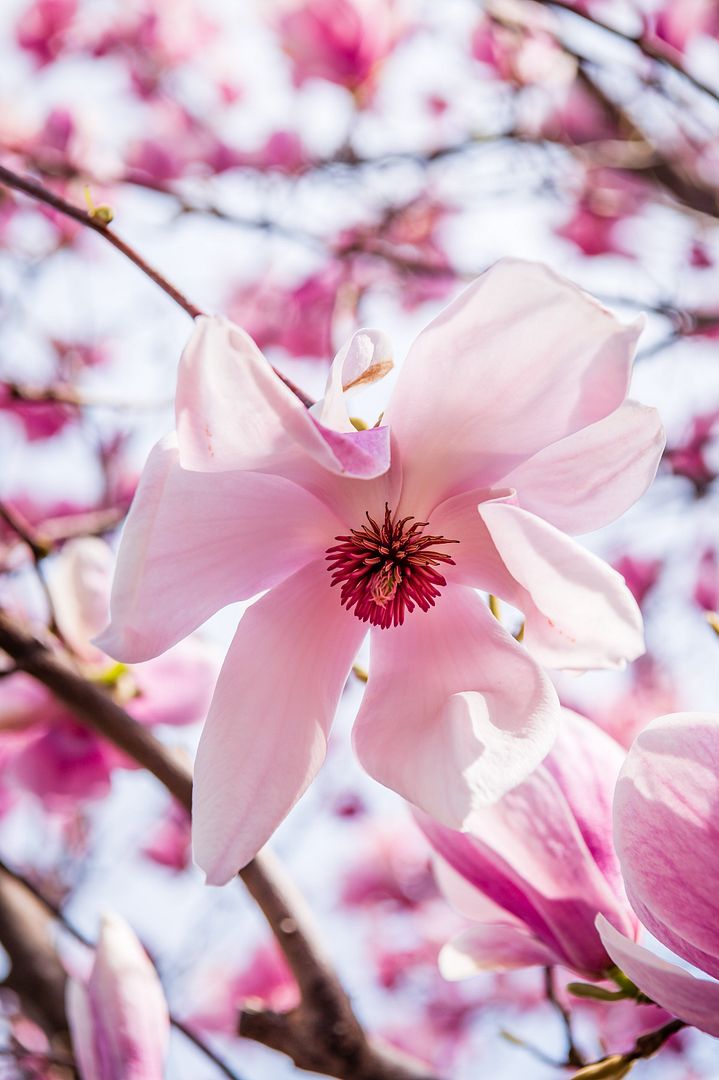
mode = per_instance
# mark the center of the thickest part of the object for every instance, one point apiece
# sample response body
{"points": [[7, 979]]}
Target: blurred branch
{"points": [[324, 1026], [646, 46], [574, 1057], [33, 894], [36, 974]]}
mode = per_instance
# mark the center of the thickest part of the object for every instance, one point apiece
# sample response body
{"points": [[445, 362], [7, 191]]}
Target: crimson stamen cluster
{"points": [[386, 570]]}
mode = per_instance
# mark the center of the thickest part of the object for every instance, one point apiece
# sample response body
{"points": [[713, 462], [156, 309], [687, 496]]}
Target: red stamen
{"points": [[387, 570]]}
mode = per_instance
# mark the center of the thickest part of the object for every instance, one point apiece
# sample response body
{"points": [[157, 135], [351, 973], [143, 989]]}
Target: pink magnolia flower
{"points": [[343, 41], [666, 815], [45, 750], [539, 864], [118, 1019], [508, 424]]}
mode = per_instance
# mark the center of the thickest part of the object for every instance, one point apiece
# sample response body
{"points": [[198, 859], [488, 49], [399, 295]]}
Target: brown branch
{"points": [[42, 194], [36, 974], [324, 1024], [650, 49]]}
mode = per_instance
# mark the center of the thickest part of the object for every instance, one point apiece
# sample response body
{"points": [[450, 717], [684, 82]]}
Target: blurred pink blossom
{"points": [[687, 457], [538, 865], [678, 22], [509, 423], [342, 41], [608, 198], [46, 751], [706, 586], [651, 691], [666, 818], [222, 991], [43, 28], [169, 842], [641, 575], [118, 1019], [299, 320], [39, 419]]}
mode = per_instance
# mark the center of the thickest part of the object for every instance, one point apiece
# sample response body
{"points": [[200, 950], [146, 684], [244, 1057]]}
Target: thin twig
{"points": [[44, 195], [574, 1057]]}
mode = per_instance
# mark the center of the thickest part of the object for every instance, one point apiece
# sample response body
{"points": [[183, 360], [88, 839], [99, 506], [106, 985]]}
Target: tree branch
{"points": [[324, 1024], [44, 195], [646, 46], [36, 974]]}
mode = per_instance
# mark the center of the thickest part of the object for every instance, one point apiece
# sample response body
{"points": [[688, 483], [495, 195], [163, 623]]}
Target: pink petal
{"points": [[587, 479], [196, 542], [579, 613], [234, 412], [521, 359], [666, 815], [82, 1030], [79, 584], [455, 712], [129, 1013], [365, 358], [492, 947], [176, 688], [694, 1000], [266, 733], [528, 855]]}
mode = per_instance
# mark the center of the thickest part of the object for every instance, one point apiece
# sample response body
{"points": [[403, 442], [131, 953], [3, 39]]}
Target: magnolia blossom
{"points": [[507, 425], [666, 816], [539, 864], [118, 1019], [43, 747], [343, 41]]}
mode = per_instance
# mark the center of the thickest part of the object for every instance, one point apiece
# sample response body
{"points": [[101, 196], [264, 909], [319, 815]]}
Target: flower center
{"points": [[386, 570]]}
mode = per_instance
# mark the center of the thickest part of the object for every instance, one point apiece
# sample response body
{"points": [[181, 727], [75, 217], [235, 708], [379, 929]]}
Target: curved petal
{"points": [[455, 712], [492, 947], [666, 817], [589, 478], [132, 1024], [365, 358], [693, 1000], [585, 763], [266, 732], [176, 688], [195, 542], [579, 613], [521, 359], [234, 412]]}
